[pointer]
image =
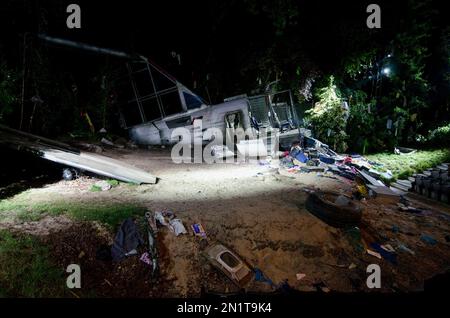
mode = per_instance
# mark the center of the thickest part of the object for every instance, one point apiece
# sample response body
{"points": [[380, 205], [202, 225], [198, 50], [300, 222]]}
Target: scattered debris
{"points": [[404, 248], [177, 227], [388, 247], [221, 151], [151, 237], [354, 236], [198, 230], [229, 264], [377, 255], [145, 257], [334, 209], [383, 252], [428, 239], [69, 174], [352, 266], [101, 186], [164, 217], [404, 150], [300, 276], [321, 287], [107, 142], [167, 218], [151, 221], [260, 277], [382, 191]]}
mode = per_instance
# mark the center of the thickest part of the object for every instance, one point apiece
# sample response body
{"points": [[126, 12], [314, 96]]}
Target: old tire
{"points": [[322, 206]]}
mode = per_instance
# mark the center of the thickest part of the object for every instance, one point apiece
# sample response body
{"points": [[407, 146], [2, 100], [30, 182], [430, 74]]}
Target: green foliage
{"points": [[409, 87], [358, 64], [440, 136], [25, 269], [328, 117], [361, 123], [403, 95], [112, 182], [110, 214], [405, 165], [96, 188]]}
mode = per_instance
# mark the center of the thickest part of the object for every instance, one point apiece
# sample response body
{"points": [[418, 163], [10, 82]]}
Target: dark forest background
{"points": [[396, 79]]}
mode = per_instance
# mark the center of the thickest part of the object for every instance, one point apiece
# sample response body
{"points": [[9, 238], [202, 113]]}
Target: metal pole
{"points": [[161, 110], [136, 93], [83, 46]]}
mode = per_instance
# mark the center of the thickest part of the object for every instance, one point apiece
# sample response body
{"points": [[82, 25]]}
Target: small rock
{"points": [[105, 186]]}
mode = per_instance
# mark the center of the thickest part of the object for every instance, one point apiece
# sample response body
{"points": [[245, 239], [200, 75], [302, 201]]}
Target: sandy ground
{"points": [[260, 214]]}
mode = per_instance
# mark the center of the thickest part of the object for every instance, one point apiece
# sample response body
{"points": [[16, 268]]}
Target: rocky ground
{"points": [[256, 211]]}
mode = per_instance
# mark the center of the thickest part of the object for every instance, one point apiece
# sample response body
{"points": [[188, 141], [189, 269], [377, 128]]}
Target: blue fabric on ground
{"points": [[301, 157], [326, 159], [390, 257], [127, 239], [259, 277], [428, 239]]}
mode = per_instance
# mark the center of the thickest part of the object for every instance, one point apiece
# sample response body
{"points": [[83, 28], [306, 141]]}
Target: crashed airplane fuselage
{"points": [[161, 105], [153, 104]]}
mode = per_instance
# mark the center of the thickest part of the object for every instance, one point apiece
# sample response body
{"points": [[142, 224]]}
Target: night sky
{"points": [[215, 37]]}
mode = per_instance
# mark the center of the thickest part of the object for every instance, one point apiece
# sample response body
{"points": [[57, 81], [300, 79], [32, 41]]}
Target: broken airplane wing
{"points": [[68, 156]]}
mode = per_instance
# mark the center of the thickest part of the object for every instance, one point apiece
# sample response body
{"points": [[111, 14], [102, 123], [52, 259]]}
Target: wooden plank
{"points": [[383, 191], [405, 183], [399, 186]]}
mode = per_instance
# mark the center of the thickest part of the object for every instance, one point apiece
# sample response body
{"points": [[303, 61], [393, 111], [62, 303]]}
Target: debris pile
{"points": [[311, 155]]}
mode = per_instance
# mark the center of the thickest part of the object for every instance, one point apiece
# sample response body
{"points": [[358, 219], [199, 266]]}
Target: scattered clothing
{"points": [[391, 257], [126, 240]]}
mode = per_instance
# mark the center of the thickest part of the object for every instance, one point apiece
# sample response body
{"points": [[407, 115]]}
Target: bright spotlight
{"points": [[386, 71]]}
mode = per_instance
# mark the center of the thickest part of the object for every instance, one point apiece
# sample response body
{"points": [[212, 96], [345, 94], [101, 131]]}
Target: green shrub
{"points": [[440, 136], [329, 118]]}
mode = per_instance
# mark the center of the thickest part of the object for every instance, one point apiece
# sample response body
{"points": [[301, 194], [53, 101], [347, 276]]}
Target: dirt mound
{"points": [[80, 243]]}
